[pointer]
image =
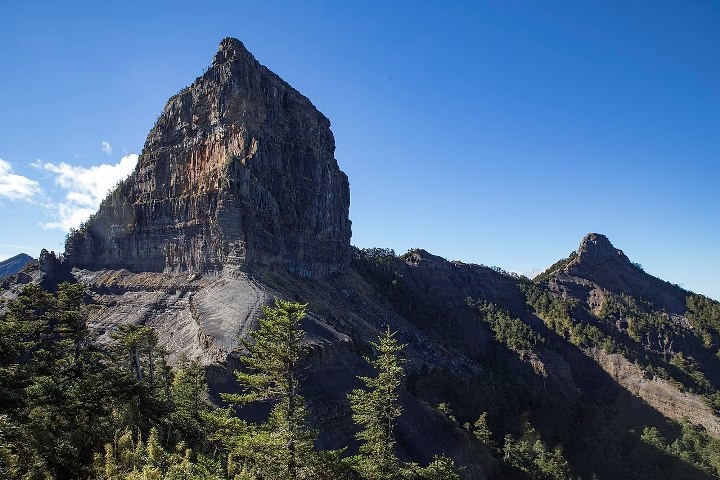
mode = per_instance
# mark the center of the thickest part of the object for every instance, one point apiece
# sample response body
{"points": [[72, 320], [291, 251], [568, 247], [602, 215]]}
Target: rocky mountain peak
{"points": [[596, 248], [598, 263], [232, 49], [239, 169], [13, 265]]}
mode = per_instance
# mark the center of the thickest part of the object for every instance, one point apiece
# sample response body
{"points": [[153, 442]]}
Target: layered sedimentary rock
{"points": [[238, 169]]}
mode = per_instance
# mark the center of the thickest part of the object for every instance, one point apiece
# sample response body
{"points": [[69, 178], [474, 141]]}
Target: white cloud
{"points": [[16, 187], [106, 147], [86, 187], [532, 273]]}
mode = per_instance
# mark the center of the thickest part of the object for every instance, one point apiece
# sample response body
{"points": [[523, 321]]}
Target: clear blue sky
{"points": [[495, 132]]}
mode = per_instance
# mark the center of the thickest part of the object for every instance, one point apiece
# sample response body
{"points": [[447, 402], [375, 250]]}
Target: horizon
{"points": [[497, 135]]}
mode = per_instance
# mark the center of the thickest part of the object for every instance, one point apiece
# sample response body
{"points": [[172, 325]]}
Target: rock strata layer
{"points": [[238, 169]]}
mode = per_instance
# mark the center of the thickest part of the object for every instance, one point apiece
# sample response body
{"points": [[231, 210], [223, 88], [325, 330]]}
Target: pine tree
{"points": [[282, 447], [441, 468], [143, 377], [54, 384], [189, 392], [482, 432], [376, 410]]}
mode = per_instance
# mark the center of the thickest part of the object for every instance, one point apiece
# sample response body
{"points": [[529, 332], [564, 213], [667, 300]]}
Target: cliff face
{"points": [[238, 169]]}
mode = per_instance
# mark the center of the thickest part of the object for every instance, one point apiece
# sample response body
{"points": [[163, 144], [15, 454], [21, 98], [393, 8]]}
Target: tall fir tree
{"points": [[376, 410], [281, 447]]}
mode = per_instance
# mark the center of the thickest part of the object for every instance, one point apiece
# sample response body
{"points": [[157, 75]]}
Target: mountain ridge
{"points": [[13, 265]]}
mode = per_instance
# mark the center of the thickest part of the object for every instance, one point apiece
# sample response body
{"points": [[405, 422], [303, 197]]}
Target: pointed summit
{"points": [[597, 264], [596, 248], [231, 49], [238, 170]]}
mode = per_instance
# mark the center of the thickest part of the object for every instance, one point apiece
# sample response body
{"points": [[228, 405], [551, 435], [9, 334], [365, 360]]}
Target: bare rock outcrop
{"points": [[197, 317], [238, 169], [598, 266], [660, 394]]}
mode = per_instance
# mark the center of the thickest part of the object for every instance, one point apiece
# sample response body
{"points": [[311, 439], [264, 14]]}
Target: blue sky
{"points": [[491, 132]]}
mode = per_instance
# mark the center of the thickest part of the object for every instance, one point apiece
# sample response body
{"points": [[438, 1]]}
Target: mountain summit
{"points": [[14, 264], [596, 248], [598, 266], [238, 169]]}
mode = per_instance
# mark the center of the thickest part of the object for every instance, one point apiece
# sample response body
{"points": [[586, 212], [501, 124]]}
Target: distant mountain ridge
{"points": [[13, 265]]}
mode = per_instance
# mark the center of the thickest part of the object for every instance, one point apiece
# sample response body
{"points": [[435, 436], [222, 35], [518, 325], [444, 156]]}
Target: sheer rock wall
{"points": [[238, 169]]}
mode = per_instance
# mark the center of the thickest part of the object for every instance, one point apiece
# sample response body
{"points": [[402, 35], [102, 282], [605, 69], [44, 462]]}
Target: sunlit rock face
{"points": [[238, 169]]}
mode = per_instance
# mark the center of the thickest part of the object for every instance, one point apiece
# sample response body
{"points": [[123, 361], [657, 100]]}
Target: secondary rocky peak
{"points": [[596, 247], [600, 267], [239, 169]]}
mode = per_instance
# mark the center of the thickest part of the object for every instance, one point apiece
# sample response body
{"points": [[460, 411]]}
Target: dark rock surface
{"points": [[238, 169]]}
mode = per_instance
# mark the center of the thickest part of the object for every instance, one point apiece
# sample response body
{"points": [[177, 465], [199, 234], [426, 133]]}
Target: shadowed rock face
{"points": [[238, 169]]}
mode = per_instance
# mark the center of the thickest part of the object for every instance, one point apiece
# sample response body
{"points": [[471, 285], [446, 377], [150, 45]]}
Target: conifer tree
{"points": [[440, 468], [189, 394], [53, 385], [282, 447], [376, 410], [143, 376]]}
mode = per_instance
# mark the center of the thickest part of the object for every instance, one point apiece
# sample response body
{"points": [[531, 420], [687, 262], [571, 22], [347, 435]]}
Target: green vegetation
{"points": [[282, 446], [64, 395], [74, 407], [532, 457], [545, 276], [693, 447], [376, 409], [650, 337], [511, 332], [379, 267], [655, 341], [556, 313], [704, 316]]}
